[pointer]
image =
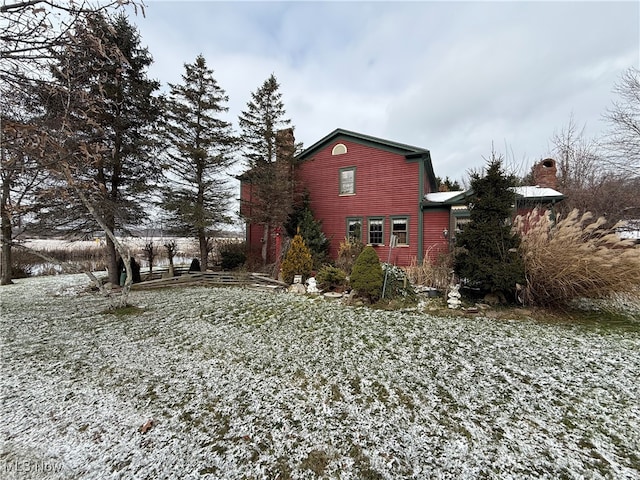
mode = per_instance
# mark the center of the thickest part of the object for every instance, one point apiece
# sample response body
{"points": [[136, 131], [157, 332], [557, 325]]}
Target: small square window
{"points": [[376, 231], [348, 181], [400, 228]]}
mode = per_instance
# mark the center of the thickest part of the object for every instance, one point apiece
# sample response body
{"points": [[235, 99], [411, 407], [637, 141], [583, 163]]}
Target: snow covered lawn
{"points": [[248, 385]]}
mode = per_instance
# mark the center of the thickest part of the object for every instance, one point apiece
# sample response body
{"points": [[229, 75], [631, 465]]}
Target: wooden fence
{"points": [[180, 278]]}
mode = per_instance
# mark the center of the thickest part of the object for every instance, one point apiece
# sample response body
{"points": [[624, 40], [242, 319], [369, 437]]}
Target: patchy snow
{"points": [[245, 384], [535, 192]]}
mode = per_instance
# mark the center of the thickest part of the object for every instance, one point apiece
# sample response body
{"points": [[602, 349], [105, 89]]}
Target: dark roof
{"points": [[341, 134]]}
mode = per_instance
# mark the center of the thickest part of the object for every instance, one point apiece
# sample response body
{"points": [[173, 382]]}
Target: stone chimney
{"points": [[545, 174]]}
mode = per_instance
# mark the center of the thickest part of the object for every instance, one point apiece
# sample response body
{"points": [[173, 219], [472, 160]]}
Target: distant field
{"points": [[90, 253], [250, 385]]}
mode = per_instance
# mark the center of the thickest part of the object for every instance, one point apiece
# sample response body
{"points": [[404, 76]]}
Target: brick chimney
{"points": [[285, 144], [545, 174]]}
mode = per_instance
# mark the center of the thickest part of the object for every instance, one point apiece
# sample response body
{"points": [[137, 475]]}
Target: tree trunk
{"points": [[112, 262], [265, 244], [5, 262], [204, 250], [7, 238]]}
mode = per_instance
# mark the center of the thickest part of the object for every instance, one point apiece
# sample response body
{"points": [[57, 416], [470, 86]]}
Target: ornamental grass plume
{"points": [[577, 257]]}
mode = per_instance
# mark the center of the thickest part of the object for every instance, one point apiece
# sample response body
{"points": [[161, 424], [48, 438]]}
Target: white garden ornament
{"points": [[311, 285], [453, 301]]}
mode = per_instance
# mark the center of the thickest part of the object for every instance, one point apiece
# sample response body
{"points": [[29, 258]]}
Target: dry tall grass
{"points": [[575, 258], [435, 275]]}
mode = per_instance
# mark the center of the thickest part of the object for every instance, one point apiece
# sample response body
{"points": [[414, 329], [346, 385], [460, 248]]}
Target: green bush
{"points": [[331, 278], [397, 284], [298, 260], [232, 254], [367, 277]]}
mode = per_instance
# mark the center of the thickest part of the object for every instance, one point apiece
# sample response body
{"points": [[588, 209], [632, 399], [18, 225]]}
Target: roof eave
{"points": [[399, 148]]}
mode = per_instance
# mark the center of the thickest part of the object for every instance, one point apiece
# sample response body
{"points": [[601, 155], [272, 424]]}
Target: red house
{"points": [[369, 188]]}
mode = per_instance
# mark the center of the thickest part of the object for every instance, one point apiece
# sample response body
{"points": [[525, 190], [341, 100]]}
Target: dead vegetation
{"points": [[575, 257], [436, 275]]}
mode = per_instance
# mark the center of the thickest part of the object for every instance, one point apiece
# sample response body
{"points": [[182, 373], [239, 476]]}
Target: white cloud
{"points": [[451, 77]]}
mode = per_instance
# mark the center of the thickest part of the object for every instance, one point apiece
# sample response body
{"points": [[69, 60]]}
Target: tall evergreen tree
{"points": [[100, 114], [200, 147], [487, 257], [268, 147], [302, 221]]}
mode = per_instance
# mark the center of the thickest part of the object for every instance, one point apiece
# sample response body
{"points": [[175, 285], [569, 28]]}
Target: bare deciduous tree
{"points": [[33, 29], [589, 182], [623, 140], [33, 32]]}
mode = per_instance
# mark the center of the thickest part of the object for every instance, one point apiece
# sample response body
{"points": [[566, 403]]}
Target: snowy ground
{"points": [[248, 385]]}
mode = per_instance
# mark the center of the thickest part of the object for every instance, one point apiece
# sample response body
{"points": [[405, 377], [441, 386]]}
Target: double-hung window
{"points": [[347, 181], [400, 228], [376, 233], [354, 229]]}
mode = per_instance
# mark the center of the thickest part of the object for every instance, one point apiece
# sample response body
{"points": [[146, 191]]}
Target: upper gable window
{"points": [[339, 149], [347, 181]]}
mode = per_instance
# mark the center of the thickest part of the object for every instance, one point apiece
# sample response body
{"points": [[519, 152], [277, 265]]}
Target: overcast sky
{"points": [[453, 77]]}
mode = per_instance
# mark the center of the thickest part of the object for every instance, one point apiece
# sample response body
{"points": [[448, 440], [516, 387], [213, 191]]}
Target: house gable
{"points": [[355, 179]]}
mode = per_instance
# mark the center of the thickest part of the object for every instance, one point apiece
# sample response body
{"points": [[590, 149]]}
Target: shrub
{"points": [[331, 278], [349, 250], [366, 276], [298, 260], [575, 258], [396, 285], [233, 254]]}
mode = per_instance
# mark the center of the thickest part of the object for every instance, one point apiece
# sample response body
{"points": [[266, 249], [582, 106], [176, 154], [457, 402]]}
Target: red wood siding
{"points": [[435, 243], [386, 185]]}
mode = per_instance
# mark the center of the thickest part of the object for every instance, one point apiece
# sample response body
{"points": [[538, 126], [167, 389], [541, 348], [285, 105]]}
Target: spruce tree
{"points": [[268, 146], [367, 276], [487, 255], [200, 147], [302, 220], [99, 118]]}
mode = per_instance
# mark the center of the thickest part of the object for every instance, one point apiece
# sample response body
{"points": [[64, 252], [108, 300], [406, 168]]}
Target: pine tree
{"points": [[200, 147], [99, 118], [268, 147], [367, 276], [297, 261], [488, 250], [302, 220]]}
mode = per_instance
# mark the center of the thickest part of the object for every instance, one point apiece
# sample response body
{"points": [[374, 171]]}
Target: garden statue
{"points": [[453, 301], [311, 285]]}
